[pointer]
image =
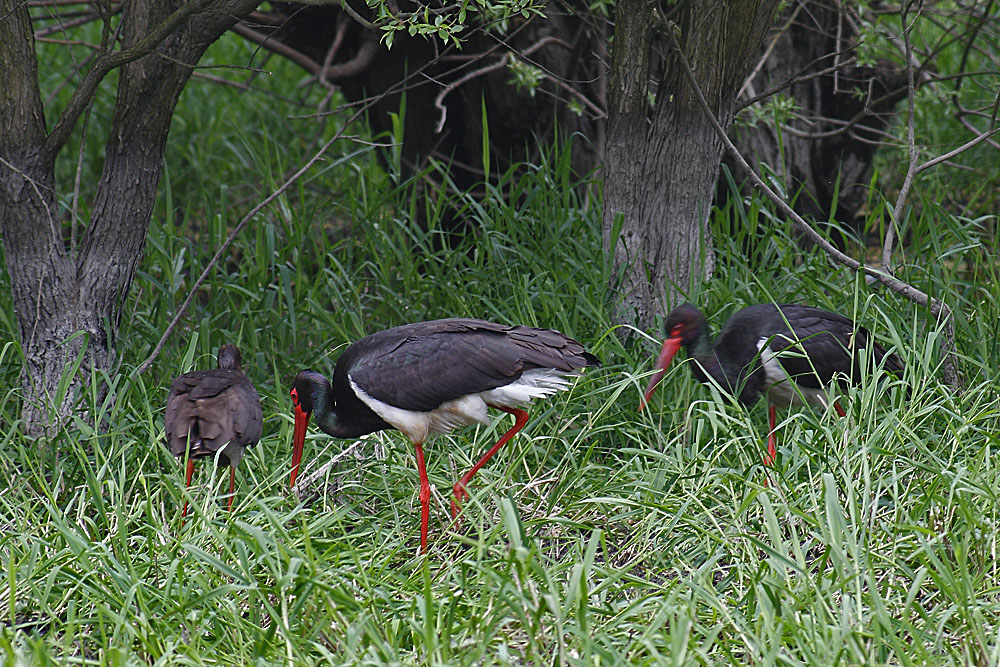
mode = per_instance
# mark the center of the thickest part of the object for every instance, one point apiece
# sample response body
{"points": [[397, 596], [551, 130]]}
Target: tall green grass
{"points": [[600, 535]]}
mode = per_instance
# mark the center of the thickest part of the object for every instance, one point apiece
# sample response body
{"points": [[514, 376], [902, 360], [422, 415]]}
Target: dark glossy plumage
{"points": [[812, 346], [432, 377], [215, 407], [419, 366], [791, 352]]}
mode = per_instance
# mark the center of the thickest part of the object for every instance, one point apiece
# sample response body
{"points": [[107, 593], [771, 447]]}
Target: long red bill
{"points": [[298, 440], [667, 353]]}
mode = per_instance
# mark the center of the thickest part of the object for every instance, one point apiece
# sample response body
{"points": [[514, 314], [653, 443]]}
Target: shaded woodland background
{"points": [[601, 534]]}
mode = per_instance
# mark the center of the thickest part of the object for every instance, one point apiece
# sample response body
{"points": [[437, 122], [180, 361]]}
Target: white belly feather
{"points": [[468, 409], [780, 388]]}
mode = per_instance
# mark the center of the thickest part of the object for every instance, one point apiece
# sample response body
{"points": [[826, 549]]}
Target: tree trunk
{"points": [[57, 295], [661, 164]]}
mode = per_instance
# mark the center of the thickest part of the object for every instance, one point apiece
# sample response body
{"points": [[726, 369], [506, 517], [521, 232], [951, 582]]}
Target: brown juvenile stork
{"points": [[432, 377], [791, 353], [213, 411]]}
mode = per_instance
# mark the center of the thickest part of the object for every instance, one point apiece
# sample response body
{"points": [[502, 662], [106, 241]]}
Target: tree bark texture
{"points": [[57, 295], [662, 161]]}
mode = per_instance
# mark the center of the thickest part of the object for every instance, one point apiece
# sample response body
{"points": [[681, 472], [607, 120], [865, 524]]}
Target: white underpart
{"points": [[780, 388], [468, 409]]}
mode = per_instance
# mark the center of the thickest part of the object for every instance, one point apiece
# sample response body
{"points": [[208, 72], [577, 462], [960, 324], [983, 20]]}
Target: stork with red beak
{"points": [[792, 353], [432, 377]]}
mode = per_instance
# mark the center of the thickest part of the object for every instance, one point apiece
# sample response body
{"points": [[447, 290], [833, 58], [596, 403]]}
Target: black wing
{"points": [[420, 366], [820, 345]]}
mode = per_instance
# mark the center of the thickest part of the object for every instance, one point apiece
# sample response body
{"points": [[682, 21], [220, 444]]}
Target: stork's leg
{"points": [[520, 419], [772, 423], [840, 410], [425, 497], [232, 486], [187, 484]]}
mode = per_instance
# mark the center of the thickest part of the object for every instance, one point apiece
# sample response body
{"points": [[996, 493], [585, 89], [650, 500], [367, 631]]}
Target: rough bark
{"points": [[661, 164], [56, 295]]}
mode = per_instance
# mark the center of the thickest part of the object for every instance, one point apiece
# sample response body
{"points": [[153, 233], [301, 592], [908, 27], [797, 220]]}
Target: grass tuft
{"points": [[601, 534]]}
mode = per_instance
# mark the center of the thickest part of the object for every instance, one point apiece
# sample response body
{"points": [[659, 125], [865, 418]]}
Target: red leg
{"points": [[520, 419], [232, 486], [187, 483], [840, 410], [772, 423], [425, 497]]}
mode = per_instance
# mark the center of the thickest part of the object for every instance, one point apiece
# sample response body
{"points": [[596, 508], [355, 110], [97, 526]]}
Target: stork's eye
{"points": [[677, 330], [295, 396]]}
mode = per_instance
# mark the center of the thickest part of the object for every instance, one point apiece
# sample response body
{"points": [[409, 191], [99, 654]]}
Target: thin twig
{"points": [[439, 100], [323, 73], [938, 308], [232, 236], [983, 136], [276, 46], [64, 26], [85, 92], [450, 88], [770, 47], [74, 211], [794, 82], [362, 21], [911, 148]]}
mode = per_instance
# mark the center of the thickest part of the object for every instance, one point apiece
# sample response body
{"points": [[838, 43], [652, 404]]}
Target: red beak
{"points": [[298, 440], [667, 352]]}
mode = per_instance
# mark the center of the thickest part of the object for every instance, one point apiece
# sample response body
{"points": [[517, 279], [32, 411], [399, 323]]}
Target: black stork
{"points": [[213, 410], [793, 353], [432, 377]]}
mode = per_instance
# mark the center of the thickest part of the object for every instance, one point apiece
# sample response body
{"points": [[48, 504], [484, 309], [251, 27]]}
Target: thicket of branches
{"points": [[821, 97]]}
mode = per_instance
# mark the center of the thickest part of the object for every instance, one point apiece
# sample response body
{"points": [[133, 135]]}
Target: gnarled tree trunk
{"points": [[662, 161], [58, 294]]}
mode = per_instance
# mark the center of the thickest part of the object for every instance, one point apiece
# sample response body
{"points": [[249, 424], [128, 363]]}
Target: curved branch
{"points": [[63, 26], [276, 46], [88, 87], [938, 308], [291, 180], [911, 148], [325, 74], [794, 82], [439, 100]]}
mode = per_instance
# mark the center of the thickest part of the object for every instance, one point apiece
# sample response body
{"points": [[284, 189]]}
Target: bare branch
{"points": [[346, 6], [323, 73], [144, 366], [938, 308], [794, 82], [276, 46], [63, 26], [961, 149], [972, 128], [84, 94], [911, 148], [73, 218], [770, 47], [439, 100]]}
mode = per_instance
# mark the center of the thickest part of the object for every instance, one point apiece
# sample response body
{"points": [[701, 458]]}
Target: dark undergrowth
{"points": [[599, 535]]}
